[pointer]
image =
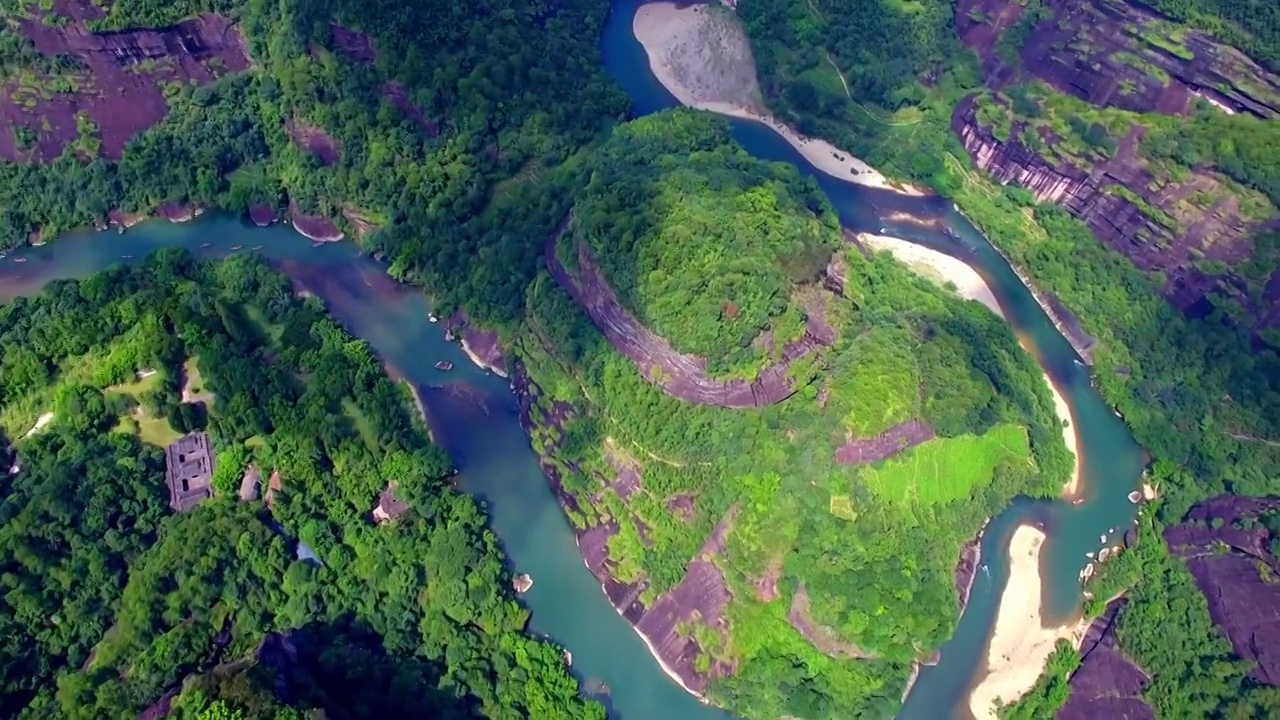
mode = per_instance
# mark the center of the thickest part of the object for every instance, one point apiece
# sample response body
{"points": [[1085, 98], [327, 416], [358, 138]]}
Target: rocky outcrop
{"points": [[967, 567], [118, 90], [1119, 54], [679, 375], [1113, 53], [262, 215], [897, 439], [1229, 553], [481, 345], [1167, 236], [701, 595], [314, 227], [1107, 684]]}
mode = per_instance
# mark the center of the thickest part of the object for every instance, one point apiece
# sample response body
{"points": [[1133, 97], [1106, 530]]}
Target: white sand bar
{"points": [[1020, 643], [701, 55], [937, 267]]}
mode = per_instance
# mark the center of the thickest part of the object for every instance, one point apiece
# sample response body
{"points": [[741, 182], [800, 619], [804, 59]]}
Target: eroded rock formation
{"points": [[1229, 553], [1217, 233], [1107, 684], [111, 86], [899, 438], [679, 375], [1114, 53]]}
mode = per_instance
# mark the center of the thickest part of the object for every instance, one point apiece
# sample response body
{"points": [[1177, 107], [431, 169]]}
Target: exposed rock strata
{"points": [[480, 345], [1216, 234], [679, 375], [899, 438], [967, 567], [701, 595], [1230, 557], [1096, 51], [314, 227], [1107, 684], [119, 82], [1119, 54]]}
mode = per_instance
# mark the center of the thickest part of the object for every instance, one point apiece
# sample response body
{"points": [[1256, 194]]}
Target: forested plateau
{"points": [[1125, 161], [797, 556]]}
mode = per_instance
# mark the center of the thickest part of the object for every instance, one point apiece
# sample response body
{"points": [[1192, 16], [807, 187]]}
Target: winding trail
{"points": [[681, 376]]}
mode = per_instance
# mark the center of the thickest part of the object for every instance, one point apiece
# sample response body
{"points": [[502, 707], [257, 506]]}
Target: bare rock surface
{"points": [[897, 439], [1117, 53], [1120, 54], [1107, 684], [111, 87], [1229, 555]]}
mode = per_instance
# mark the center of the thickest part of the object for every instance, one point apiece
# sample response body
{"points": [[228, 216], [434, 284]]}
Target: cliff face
{"points": [[1229, 552], [1105, 194], [1192, 225], [700, 597], [108, 87], [1112, 53], [1107, 684]]}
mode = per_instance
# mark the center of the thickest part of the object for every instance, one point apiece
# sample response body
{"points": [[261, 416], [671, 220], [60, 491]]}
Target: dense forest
{"points": [[456, 130], [463, 132], [1196, 392], [904, 350], [110, 600]]}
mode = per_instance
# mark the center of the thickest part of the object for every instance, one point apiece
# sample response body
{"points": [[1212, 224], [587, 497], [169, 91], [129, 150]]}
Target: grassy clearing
{"points": [[947, 469], [152, 431], [842, 507], [193, 389], [259, 320]]}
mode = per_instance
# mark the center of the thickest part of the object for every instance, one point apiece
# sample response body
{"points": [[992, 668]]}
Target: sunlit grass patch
{"points": [[946, 469]]}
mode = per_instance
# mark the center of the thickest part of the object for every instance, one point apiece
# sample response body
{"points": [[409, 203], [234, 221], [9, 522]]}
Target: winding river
{"points": [[475, 416]]}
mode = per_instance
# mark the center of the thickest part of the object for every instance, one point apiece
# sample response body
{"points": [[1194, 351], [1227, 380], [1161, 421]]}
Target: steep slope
{"points": [[1087, 109], [741, 542], [1130, 171]]}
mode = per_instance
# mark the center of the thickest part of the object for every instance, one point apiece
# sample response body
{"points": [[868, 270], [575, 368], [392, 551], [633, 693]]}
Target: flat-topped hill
{"points": [[819, 526], [705, 245]]}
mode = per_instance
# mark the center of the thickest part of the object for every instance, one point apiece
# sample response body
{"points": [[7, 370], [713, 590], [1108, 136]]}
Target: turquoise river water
{"points": [[474, 415]]}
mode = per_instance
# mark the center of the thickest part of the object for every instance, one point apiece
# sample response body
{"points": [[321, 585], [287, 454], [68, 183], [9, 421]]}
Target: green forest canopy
{"points": [[884, 582], [109, 600], [1166, 374]]}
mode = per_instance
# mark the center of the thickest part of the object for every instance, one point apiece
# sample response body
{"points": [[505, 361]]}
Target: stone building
{"points": [[189, 471]]}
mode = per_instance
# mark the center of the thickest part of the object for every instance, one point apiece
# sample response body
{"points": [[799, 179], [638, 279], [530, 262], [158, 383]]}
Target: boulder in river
{"points": [[522, 583]]}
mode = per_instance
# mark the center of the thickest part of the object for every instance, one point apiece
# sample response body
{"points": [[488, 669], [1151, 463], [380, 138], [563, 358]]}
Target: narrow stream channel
{"points": [[474, 416]]}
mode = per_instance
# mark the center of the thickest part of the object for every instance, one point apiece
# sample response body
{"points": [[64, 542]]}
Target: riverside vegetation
{"points": [[462, 130], [110, 601], [745, 244], [1196, 391]]}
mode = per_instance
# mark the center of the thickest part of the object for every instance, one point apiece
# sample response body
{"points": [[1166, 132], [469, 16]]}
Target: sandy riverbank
{"points": [[701, 55], [937, 267], [942, 269], [1020, 643]]}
